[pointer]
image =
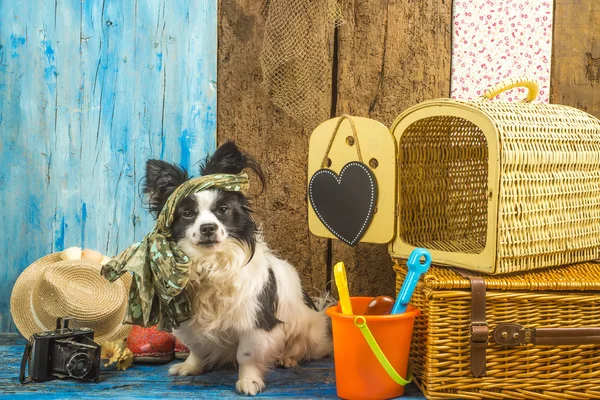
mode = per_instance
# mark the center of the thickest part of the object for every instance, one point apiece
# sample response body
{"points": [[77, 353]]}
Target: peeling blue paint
{"points": [[50, 69], [77, 122], [59, 241], [159, 63], [83, 220], [33, 213], [15, 43], [163, 144], [209, 121], [313, 380], [48, 51], [187, 140]]}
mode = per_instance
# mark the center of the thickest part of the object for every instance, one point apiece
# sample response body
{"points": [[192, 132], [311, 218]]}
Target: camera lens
{"points": [[79, 365]]}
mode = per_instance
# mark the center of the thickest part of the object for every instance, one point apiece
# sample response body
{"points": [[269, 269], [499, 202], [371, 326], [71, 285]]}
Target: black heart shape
{"points": [[344, 203]]}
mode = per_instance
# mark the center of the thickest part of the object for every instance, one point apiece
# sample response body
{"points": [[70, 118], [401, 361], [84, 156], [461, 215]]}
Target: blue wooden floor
{"points": [[314, 380]]}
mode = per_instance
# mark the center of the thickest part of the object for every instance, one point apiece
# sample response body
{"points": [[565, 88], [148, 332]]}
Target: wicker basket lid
{"points": [[575, 277]]}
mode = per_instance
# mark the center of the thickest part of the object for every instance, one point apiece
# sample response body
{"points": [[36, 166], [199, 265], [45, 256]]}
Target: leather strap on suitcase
{"points": [[509, 334]]}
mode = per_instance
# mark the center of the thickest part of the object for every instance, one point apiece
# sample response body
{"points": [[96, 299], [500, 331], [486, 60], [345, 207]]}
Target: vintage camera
{"points": [[67, 352]]}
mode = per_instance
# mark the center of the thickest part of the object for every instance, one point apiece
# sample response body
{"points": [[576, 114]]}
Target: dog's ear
{"points": [[161, 179], [228, 159]]}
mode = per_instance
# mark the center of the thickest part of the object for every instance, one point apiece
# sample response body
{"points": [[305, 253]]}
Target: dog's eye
{"points": [[187, 214], [223, 209]]}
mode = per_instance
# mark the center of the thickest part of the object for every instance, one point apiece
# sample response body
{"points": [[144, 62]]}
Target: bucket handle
{"points": [[361, 323]]}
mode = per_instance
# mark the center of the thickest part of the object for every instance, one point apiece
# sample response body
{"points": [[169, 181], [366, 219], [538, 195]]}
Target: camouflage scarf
{"points": [[160, 268]]}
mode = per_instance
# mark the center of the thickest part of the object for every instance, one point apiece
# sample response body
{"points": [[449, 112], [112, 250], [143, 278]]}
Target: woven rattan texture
{"points": [[549, 189], [440, 353], [576, 277], [443, 174]]}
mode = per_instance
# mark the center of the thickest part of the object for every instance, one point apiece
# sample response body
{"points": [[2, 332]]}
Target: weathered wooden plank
{"points": [[279, 144], [392, 55], [314, 380], [575, 74], [89, 91]]}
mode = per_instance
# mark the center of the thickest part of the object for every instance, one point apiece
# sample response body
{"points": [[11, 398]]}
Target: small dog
{"points": [[248, 304]]}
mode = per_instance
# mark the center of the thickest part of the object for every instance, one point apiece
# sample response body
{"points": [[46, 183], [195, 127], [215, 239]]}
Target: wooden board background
{"points": [[246, 115], [393, 55], [89, 90], [575, 74], [390, 55]]}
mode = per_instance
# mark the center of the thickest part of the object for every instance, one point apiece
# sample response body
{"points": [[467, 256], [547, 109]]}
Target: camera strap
{"points": [[26, 355]]}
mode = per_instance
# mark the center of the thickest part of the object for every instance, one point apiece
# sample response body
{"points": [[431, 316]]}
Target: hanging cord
{"points": [[335, 131]]}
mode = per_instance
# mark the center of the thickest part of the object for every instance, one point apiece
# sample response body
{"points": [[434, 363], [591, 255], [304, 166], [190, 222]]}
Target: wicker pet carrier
{"points": [[502, 340], [497, 186]]}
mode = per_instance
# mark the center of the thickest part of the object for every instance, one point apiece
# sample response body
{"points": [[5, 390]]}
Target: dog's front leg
{"points": [[194, 363], [255, 353]]}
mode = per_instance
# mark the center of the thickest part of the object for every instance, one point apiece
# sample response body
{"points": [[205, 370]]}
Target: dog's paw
{"points": [[289, 362], [250, 386], [185, 369]]}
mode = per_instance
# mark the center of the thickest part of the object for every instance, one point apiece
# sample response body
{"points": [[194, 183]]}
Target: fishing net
{"points": [[296, 56]]}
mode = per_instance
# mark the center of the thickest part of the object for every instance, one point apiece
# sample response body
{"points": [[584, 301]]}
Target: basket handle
{"points": [[512, 83], [361, 323]]}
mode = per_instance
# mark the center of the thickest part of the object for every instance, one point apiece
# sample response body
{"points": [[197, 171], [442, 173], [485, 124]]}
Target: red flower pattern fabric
{"points": [[493, 40]]}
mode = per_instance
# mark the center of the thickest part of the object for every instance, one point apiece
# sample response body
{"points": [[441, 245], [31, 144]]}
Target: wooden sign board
{"points": [[378, 150]]}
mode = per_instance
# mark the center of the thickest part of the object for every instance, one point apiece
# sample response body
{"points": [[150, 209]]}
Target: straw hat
{"points": [[52, 288]]}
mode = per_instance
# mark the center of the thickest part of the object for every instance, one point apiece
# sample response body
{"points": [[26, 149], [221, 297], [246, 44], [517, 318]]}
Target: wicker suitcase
{"points": [[500, 341], [496, 186]]}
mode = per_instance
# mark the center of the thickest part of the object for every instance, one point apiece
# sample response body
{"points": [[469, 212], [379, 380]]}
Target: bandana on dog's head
{"points": [[160, 269]]}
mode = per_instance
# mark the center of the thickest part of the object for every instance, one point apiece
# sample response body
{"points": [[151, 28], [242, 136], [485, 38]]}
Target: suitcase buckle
{"points": [[480, 332]]}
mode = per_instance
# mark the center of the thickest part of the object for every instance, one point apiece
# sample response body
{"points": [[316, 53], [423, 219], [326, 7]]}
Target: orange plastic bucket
{"points": [[358, 372]]}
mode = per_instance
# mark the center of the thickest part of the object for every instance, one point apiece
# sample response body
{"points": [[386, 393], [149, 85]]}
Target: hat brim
{"points": [[20, 302]]}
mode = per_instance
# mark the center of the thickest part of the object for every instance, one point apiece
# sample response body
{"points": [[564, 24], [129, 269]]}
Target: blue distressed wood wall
{"points": [[89, 90]]}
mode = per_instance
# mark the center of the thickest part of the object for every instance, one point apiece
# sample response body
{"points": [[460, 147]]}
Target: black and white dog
{"points": [[249, 306]]}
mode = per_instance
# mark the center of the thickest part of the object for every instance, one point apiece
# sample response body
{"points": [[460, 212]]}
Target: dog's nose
{"points": [[208, 229]]}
